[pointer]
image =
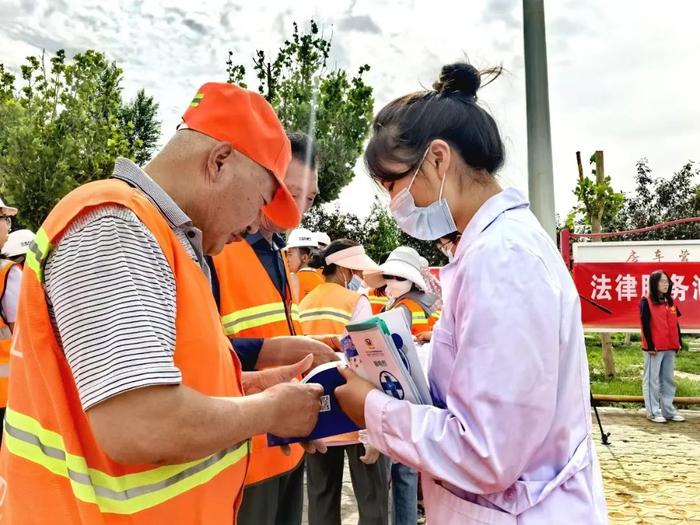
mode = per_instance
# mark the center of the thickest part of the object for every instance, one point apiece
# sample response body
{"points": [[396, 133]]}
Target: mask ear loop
{"points": [[420, 165], [442, 186]]}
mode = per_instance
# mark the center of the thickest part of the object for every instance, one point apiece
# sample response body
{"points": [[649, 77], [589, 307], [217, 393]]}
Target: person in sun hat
{"points": [[10, 279], [120, 361], [18, 242], [322, 239], [326, 310], [402, 277], [406, 288], [300, 248], [6, 214]]}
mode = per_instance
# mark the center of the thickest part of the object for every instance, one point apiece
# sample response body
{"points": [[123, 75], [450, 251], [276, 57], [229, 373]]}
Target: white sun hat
{"points": [[353, 258], [302, 238], [402, 262], [322, 238], [7, 210], [18, 243]]}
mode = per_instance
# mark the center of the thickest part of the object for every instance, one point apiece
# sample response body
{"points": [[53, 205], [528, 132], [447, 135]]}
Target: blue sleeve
{"points": [[247, 349]]}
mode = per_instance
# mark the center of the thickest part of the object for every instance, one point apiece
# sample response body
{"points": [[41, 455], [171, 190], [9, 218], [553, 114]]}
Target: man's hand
{"points": [[279, 351], [352, 395], [255, 382], [331, 340], [296, 408], [314, 447]]}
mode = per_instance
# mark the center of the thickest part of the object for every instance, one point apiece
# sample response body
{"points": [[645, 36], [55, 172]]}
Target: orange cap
{"points": [[245, 119]]}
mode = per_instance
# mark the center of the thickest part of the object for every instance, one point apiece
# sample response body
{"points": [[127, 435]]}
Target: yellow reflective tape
{"points": [[37, 253], [325, 314], [336, 311], [26, 438], [418, 316], [196, 100], [257, 316], [378, 300]]}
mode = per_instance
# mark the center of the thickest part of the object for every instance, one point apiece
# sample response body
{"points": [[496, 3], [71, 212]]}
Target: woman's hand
{"points": [[352, 395], [371, 455]]}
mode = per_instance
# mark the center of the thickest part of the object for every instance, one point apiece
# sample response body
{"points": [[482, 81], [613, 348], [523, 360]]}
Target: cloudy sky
{"points": [[623, 74]]}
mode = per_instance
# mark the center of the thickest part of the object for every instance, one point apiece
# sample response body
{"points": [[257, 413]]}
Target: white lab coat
{"points": [[509, 438]]}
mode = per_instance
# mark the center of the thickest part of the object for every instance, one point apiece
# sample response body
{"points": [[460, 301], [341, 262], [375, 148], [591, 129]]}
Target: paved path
{"points": [[651, 471]]}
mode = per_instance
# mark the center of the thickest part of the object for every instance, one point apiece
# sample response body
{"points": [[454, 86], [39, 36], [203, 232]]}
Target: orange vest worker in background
{"points": [[260, 315]]}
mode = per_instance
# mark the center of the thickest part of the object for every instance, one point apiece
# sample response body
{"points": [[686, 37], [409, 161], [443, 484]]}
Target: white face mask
{"points": [[396, 289], [355, 284], [428, 223]]}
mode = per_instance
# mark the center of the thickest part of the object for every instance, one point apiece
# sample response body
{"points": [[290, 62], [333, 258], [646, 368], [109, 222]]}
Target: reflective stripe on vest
{"points": [[25, 437], [257, 316], [325, 314]]}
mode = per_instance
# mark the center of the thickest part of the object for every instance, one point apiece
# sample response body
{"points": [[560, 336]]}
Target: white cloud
{"points": [[623, 75]]}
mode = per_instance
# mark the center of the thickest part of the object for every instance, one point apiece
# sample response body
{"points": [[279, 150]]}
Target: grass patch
{"points": [[629, 363]]}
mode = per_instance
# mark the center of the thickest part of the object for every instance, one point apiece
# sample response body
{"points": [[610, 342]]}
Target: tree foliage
{"points": [[378, 233], [64, 125], [328, 104], [661, 199], [598, 203]]}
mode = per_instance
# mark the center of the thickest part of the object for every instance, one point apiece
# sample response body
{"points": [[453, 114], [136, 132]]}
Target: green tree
{"points": [[63, 126], [661, 199], [598, 204], [328, 104], [141, 126]]}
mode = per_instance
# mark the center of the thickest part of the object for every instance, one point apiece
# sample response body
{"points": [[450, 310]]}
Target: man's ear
{"points": [[218, 156]]}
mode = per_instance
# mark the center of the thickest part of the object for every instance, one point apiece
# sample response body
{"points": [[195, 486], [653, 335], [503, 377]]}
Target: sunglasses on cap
{"points": [[393, 278]]}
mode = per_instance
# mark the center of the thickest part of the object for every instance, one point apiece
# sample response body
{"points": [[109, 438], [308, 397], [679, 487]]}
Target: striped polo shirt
{"points": [[111, 294]]}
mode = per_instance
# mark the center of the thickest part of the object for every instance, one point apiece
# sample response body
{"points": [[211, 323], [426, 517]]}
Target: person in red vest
{"points": [[661, 341], [126, 402]]}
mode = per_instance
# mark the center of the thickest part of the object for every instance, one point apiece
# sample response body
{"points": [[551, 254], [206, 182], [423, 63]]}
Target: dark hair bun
{"points": [[461, 77]]}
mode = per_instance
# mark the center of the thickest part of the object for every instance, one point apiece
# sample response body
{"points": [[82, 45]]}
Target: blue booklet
{"points": [[331, 420]]}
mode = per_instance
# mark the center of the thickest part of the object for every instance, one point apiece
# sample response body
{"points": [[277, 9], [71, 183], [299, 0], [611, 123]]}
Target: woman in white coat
{"points": [[508, 439]]}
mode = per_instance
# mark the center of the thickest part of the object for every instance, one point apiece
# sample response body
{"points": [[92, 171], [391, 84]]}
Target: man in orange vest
{"points": [[126, 402], [260, 314]]}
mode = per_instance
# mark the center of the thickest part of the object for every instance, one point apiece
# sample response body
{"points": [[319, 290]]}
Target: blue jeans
{"points": [[658, 385], [404, 495]]}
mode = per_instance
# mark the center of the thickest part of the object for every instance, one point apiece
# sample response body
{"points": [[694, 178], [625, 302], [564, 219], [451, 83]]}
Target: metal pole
{"points": [[539, 137]]}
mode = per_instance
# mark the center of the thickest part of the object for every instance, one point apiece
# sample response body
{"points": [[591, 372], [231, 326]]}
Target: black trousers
{"points": [[275, 501], [325, 483]]}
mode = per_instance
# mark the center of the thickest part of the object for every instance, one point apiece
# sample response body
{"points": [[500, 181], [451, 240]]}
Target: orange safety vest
{"points": [[5, 334], [308, 280], [52, 467], [251, 306], [421, 320], [326, 310], [378, 302]]}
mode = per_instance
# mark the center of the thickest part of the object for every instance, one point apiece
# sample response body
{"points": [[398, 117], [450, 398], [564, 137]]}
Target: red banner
{"points": [[618, 287]]}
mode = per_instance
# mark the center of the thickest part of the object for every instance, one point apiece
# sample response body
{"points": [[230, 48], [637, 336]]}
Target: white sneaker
{"points": [[657, 419], [678, 417]]}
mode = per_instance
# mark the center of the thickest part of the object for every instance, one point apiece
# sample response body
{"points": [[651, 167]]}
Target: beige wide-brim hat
{"points": [[402, 262], [7, 210], [353, 258]]}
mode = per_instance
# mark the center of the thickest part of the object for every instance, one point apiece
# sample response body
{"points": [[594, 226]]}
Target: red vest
{"points": [[664, 327]]}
